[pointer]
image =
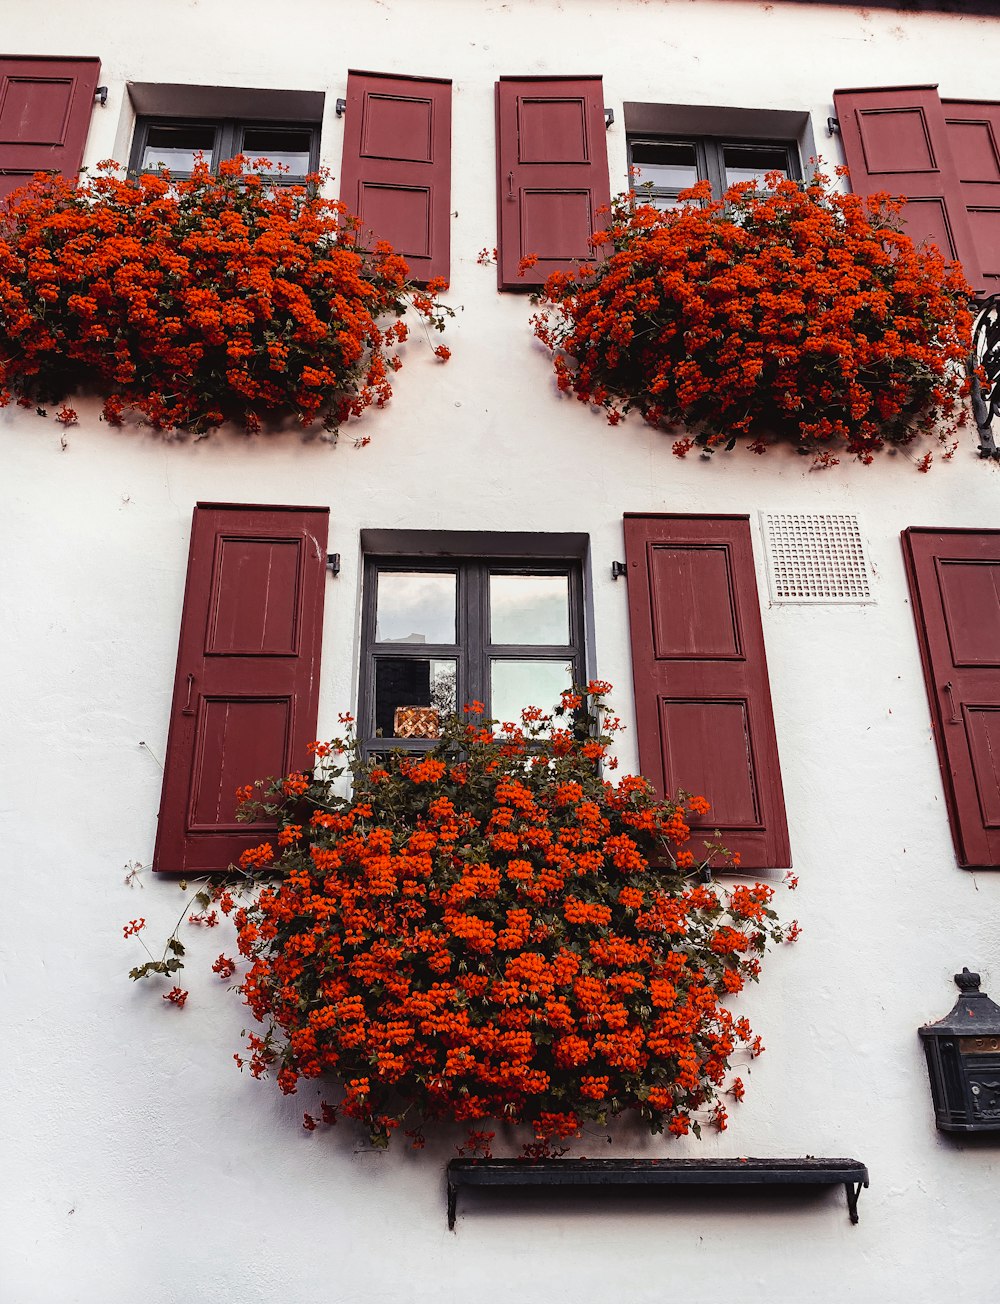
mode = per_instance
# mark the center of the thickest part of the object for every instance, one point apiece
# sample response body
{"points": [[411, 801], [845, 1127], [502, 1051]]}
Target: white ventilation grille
{"points": [[815, 558]]}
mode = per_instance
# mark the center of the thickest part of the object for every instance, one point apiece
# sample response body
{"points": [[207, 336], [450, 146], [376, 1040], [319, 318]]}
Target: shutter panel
{"points": [[974, 137], [45, 107], [396, 172], [702, 700], [552, 161], [954, 578], [896, 139], [244, 703]]}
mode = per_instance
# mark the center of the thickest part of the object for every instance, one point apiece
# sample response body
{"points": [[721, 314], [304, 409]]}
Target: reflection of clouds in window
{"points": [[753, 162], [672, 165], [282, 147], [175, 148], [415, 607], [529, 609], [517, 684]]}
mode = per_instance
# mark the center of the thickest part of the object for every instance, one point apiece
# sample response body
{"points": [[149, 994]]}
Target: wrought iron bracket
{"points": [[634, 1173], [333, 562], [101, 93], [852, 1190], [984, 369], [618, 569], [341, 108]]}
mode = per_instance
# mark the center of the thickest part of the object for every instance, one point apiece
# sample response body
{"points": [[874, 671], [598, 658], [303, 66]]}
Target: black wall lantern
{"points": [[963, 1060]]}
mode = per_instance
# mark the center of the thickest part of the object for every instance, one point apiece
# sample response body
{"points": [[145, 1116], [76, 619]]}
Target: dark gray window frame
{"points": [[710, 157], [228, 140], [472, 556]]}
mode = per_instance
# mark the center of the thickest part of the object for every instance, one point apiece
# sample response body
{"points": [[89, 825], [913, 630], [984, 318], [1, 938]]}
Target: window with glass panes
{"points": [[663, 166], [438, 633], [174, 143]]}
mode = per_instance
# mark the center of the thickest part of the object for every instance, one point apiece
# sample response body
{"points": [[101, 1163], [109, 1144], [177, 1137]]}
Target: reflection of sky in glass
{"points": [[516, 684], [672, 165], [290, 148], [415, 607], [529, 609], [753, 164], [175, 147]]}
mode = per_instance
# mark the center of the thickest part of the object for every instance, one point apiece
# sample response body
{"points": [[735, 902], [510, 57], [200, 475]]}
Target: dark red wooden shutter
{"points": [[954, 580], [244, 704], [552, 174], [974, 137], [45, 107], [702, 701], [896, 139], [396, 172]]}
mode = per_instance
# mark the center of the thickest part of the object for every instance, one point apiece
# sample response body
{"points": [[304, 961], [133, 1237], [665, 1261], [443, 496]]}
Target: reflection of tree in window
{"points": [[409, 682]]}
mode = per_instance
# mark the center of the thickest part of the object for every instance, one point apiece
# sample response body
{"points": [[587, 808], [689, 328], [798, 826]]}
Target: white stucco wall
{"points": [[138, 1163]]}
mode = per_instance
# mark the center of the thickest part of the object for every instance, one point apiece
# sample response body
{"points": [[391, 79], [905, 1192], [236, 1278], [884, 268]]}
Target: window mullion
{"points": [[476, 641], [715, 169]]}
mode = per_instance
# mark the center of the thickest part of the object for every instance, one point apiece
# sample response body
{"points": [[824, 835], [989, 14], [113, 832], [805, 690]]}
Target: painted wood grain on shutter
{"points": [[245, 696], [954, 578], [396, 172], [45, 108], [896, 139], [552, 174], [702, 699]]}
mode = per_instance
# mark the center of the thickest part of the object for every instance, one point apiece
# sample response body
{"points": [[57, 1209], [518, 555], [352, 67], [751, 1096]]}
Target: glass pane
{"points": [[529, 609], [516, 684], [413, 696], [175, 147], [280, 146], [664, 203], [415, 607], [667, 163], [751, 162]]}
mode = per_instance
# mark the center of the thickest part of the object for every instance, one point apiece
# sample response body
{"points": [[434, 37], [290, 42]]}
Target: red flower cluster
{"points": [[495, 931], [792, 312], [219, 298]]}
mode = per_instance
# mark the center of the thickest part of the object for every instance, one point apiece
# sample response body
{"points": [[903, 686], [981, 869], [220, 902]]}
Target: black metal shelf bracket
{"points": [[984, 371], [852, 1190], [635, 1173]]}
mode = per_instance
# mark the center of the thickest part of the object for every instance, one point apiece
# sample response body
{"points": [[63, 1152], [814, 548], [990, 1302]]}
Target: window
{"points": [[438, 631], [173, 143], [664, 166]]}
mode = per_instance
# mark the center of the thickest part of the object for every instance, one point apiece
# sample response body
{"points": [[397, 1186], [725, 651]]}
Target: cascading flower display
{"points": [[785, 312], [491, 930], [222, 297]]}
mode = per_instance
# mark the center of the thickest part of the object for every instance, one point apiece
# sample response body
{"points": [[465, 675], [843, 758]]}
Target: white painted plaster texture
{"points": [[137, 1163]]}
